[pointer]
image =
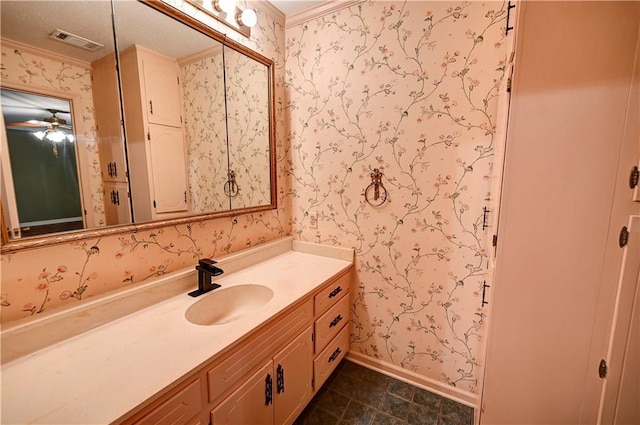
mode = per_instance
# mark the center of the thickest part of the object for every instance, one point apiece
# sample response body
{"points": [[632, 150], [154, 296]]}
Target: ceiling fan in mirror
{"points": [[53, 128]]}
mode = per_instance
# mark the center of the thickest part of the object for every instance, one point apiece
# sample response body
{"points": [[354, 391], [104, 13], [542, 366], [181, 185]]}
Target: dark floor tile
{"points": [[401, 389], [358, 414], [427, 398], [455, 413], [375, 378], [353, 369], [395, 406], [369, 394], [346, 384], [304, 415], [333, 402], [420, 414], [382, 419], [321, 417]]}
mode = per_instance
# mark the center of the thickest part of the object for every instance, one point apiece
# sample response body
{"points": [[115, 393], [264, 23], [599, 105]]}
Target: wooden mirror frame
{"points": [[54, 239]]}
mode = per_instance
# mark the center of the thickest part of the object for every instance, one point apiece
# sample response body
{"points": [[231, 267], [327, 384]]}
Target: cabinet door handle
{"points": [[335, 321], [335, 292], [268, 390], [115, 170], [280, 379], [151, 106], [335, 355]]}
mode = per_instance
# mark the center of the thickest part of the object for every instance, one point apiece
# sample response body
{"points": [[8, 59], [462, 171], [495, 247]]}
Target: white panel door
{"points": [[168, 168], [248, 404], [293, 368], [162, 90]]}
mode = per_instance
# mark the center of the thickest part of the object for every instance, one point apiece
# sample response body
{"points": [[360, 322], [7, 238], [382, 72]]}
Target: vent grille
{"points": [[75, 40]]}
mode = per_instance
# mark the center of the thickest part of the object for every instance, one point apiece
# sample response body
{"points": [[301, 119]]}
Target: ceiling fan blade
{"points": [[26, 124]]}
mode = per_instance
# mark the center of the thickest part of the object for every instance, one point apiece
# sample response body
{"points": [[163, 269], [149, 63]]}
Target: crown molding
{"points": [[322, 9], [27, 48]]}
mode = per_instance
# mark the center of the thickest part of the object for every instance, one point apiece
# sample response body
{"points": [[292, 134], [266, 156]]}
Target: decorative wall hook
{"points": [[375, 194], [231, 187]]}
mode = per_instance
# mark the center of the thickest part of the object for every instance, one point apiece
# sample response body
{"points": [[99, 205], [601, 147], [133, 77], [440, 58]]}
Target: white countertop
{"points": [[100, 375]]}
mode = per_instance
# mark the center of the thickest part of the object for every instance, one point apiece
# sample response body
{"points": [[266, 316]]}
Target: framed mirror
{"points": [[164, 141]]}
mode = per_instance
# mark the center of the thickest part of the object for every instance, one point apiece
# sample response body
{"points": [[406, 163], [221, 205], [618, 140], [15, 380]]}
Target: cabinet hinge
{"points": [[154, 203], [313, 337], [603, 368], [178, 78], [494, 241], [509, 80], [148, 135]]}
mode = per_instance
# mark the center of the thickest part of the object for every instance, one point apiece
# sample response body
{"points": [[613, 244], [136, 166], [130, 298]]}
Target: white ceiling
{"points": [[289, 7]]}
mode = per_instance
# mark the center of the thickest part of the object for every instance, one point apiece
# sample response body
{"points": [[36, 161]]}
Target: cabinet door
{"points": [[249, 404], [293, 373], [116, 203], [162, 90], [106, 101], [168, 168]]}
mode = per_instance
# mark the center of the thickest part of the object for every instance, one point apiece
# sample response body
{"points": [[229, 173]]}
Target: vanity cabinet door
{"points": [[116, 203], [249, 404], [168, 168], [293, 374], [162, 89]]}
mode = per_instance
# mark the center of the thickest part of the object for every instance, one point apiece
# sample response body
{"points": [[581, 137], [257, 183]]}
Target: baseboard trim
{"points": [[464, 397]]}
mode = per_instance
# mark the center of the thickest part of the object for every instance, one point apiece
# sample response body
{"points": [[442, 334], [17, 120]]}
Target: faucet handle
{"points": [[207, 262]]}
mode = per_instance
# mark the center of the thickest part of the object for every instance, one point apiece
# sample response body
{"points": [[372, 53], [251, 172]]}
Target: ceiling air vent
{"points": [[75, 40]]}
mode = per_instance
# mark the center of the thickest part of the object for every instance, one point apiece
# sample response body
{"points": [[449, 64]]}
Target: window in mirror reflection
{"points": [[43, 161]]}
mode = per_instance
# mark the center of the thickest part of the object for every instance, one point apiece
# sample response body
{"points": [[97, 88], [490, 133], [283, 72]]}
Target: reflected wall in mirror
{"points": [[175, 156], [35, 62], [248, 126]]}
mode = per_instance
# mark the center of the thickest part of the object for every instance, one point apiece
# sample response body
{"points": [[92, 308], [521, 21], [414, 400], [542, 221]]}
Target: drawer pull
{"points": [[280, 379], [335, 354], [336, 321], [268, 390], [335, 292]]}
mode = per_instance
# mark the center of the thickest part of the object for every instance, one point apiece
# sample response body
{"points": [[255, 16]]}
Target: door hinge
{"points": [[633, 178], [624, 237], [603, 368]]}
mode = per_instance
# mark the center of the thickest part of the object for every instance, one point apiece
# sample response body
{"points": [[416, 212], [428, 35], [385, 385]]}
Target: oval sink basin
{"points": [[228, 304]]}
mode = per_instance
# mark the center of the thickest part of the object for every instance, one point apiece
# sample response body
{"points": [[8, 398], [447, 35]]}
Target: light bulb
{"points": [[248, 18], [226, 6], [56, 136], [39, 134]]}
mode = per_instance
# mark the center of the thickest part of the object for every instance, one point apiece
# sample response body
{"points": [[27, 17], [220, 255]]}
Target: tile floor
{"points": [[356, 395]]}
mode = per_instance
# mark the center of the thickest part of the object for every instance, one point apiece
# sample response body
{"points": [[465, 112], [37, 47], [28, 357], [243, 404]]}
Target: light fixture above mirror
{"points": [[230, 14]]}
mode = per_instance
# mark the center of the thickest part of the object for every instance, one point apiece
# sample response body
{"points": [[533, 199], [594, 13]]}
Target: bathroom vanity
{"points": [[260, 361]]}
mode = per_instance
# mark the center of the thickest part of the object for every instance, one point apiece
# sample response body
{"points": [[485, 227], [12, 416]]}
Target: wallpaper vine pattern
{"points": [[22, 66], [44, 279], [248, 123], [205, 133], [409, 88]]}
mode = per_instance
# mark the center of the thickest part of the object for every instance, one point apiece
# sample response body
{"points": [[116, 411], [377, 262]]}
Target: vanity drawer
{"points": [[330, 323], [227, 374], [332, 293], [184, 405], [327, 361]]}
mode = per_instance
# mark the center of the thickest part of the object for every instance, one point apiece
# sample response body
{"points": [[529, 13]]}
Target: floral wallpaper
{"points": [[43, 279], [20, 65], [408, 88], [248, 123], [205, 132]]}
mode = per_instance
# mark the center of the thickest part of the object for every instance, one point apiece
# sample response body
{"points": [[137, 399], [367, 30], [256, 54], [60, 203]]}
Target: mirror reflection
{"points": [[159, 152]]}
